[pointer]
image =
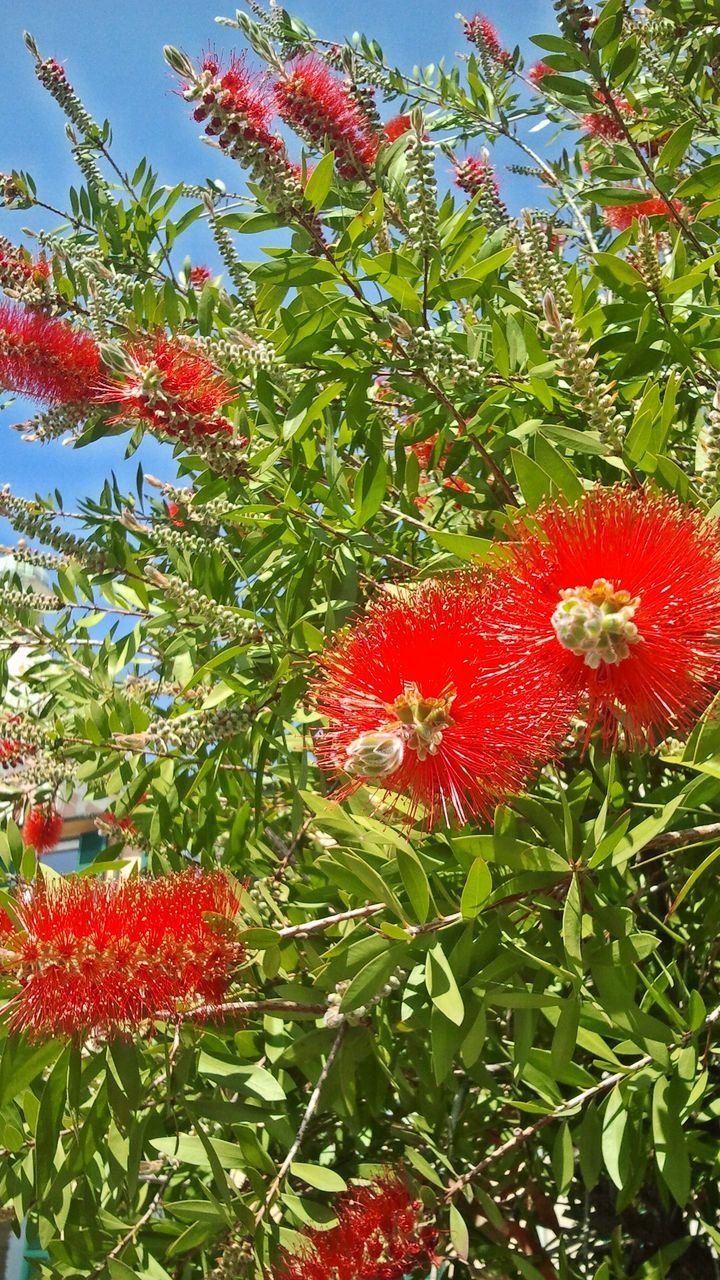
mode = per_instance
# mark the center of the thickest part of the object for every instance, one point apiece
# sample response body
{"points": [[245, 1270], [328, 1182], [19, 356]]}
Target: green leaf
{"points": [[563, 1160], [459, 1234], [49, 1121], [535, 483], [22, 1062], [442, 987], [253, 1080], [677, 144], [616, 1139], [373, 976], [416, 883], [693, 879], [477, 889], [318, 1176], [572, 925], [370, 489], [565, 1035], [464, 545], [320, 181], [190, 1149], [671, 1154]]}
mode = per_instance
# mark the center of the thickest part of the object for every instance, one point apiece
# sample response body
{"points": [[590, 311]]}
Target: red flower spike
{"points": [[200, 275], [474, 174], [172, 388], [235, 106], [421, 704], [42, 828], [98, 956], [397, 127], [536, 74], [481, 32], [602, 124], [319, 107], [615, 602], [621, 216], [13, 750], [45, 358], [379, 1236]]}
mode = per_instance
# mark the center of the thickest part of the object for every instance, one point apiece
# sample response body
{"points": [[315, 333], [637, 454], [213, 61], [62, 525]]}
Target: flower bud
{"points": [[375, 755]]}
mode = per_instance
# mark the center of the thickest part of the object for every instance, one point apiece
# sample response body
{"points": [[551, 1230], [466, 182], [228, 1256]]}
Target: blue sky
{"points": [[112, 54]]}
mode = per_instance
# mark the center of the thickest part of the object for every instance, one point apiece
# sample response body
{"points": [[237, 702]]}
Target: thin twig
{"points": [[309, 1113], [243, 1006], [565, 1108]]}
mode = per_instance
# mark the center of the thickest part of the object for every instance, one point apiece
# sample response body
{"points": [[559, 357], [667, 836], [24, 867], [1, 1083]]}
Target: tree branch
{"points": [[565, 1108], [310, 1110]]}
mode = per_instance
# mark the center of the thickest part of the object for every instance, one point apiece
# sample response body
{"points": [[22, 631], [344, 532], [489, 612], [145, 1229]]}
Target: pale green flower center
{"points": [[596, 623]]}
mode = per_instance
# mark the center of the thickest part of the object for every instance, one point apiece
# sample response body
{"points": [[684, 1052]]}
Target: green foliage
{"points": [[523, 1016]]}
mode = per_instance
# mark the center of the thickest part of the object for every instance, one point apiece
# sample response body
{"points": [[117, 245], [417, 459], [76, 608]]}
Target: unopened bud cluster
{"points": [[26, 517], [537, 267], [422, 188], [37, 559], [40, 771], [646, 260], [334, 1017], [51, 424], [593, 398], [52, 77], [574, 17], [221, 456], [236, 271], [84, 157], [235, 350], [14, 193], [187, 732], [21, 277], [596, 623], [431, 352], [13, 601], [190, 600], [709, 484]]}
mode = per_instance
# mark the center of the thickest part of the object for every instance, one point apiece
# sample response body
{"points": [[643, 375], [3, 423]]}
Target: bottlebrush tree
{"points": [[402, 677]]}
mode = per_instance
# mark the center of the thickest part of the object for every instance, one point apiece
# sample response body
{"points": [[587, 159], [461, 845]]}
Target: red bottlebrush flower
{"points": [[600, 124], [420, 704], [174, 514], [320, 108], [397, 127], [481, 32], [615, 601], [458, 484], [199, 276], [42, 828], [538, 71], [171, 387], [125, 823], [379, 1236], [475, 174], [12, 751], [423, 450], [235, 106], [622, 216], [98, 956], [44, 358]]}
